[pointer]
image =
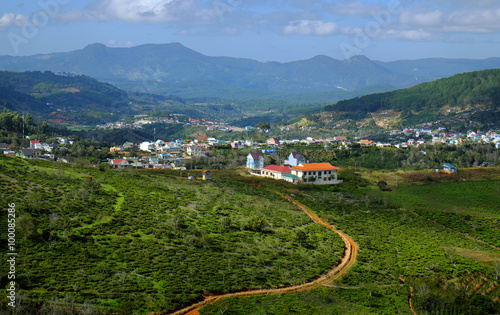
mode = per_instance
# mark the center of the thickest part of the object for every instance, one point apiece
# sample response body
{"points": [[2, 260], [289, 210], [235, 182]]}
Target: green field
{"points": [[135, 241], [448, 272], [468, 207], [103, 241]]}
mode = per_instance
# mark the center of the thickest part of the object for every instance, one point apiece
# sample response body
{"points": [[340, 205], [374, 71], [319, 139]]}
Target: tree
{"points": [[6, 120], [264, 126], [28, 120], [301, 237], [497, 269], [43, 127]]}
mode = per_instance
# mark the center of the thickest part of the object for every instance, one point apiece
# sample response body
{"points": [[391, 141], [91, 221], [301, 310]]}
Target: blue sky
{"points": [[259, 29]]}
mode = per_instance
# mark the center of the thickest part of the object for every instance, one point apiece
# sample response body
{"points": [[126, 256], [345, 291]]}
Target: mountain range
{"points": [[175, 69]]}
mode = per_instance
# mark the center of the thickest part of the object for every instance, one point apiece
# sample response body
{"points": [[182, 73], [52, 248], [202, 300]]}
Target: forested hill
{"points": [[44, 92], [472, 88]]}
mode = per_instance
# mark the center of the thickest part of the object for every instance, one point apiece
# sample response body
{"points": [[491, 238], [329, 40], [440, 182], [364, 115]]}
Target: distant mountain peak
{"points": [[176, 63], [95, 46], [359, 58], [322, 57]]}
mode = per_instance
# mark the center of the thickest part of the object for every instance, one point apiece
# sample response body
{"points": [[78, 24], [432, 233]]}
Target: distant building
{"points": [[317, 173], [289, 177], [29, 153], [295, 158], [35, 144], [273, 141], [207, 175], [194, 150], [255, 161], [274, 171], [449, 168], [120, 164], [147, 146], [366, 143]]}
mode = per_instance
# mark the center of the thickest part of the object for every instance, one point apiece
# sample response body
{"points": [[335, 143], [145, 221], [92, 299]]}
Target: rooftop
{"points": [[276, 168], [315, 167]]}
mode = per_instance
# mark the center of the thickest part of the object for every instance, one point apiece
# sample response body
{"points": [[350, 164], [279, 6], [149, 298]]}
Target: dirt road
{"points": [[350, 253]]}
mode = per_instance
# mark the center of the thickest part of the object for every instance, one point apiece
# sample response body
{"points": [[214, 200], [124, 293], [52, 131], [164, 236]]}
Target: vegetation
{"points": [[448, 272], [473, 88], [143, 241]]}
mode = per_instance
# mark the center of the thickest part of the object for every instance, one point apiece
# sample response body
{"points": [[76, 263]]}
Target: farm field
{"points": [[139, 242], [103, 241], [446, 271], [468, 206]]}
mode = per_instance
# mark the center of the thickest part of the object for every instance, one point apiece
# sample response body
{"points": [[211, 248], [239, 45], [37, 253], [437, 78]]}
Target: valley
{"points": [[215, 185]]}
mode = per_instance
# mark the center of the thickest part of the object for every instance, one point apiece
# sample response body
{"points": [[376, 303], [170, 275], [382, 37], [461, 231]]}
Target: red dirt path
{"points": [[350, 253]]}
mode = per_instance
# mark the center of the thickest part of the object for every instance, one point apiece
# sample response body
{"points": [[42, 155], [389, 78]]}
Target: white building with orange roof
{"points": [[317, 173]]}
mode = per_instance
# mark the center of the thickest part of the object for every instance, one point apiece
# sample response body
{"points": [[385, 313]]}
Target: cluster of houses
{"points": [[173, 149], [144, 162], [142, 120], [36, 150], [295, 170]]}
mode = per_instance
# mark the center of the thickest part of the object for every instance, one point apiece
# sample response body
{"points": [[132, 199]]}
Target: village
{"points": [[179, 154]]}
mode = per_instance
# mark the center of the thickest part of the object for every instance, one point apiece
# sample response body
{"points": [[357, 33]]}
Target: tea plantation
{"points": [[430, 240], [105, 241]]}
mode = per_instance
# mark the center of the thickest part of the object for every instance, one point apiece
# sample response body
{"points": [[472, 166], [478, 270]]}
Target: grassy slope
{"points": [[150, 241], [395, 244]]}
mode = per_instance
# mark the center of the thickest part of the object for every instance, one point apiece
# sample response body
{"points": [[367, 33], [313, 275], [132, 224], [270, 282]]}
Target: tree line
{"points": [[473, 88]]}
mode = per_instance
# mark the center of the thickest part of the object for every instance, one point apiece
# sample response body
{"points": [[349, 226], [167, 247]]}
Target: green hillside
{"points": [[473, 88], [62, 90], [126, 242]]}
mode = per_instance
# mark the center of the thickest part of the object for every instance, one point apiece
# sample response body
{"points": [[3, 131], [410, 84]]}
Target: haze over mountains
{"points": [[176, 69]]}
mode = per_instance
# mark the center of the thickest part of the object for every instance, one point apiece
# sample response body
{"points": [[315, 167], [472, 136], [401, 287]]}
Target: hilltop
{"points": [[476, 93], [175, 69], [61, 97]]}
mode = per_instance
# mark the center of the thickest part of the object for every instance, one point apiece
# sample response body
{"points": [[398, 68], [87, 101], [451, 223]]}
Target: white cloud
{"points": [[11, 19], [354, 9], [308, 27], [149, 11], [474, 21], [430, 18], [411, 35], [146, 11]]}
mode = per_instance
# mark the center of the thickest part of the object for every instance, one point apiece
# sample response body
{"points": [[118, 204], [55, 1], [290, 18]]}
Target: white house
{"points": [[35, 144], [274, 171], [295, 158], [147, 146], [255, 161], [194, 150], [317, 173]]}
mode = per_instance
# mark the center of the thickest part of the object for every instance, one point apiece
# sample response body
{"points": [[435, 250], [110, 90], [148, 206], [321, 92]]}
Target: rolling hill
{"points": [[48, 95], [472, 88], [174, 68]]}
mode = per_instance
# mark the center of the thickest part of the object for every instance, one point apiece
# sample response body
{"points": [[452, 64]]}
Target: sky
{"points": [[259, 29]]}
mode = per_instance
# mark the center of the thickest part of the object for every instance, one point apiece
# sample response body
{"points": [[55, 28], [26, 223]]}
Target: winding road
{"points": [[350, 253]]}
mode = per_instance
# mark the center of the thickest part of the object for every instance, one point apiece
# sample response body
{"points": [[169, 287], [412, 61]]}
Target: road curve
{"points": [[350, 253]]}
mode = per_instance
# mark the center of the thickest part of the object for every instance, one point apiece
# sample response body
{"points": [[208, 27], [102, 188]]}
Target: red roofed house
{"points": [[119, 163], [366, 143], [274, 171], [316, 173], [35, 144], [273, 141]]}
